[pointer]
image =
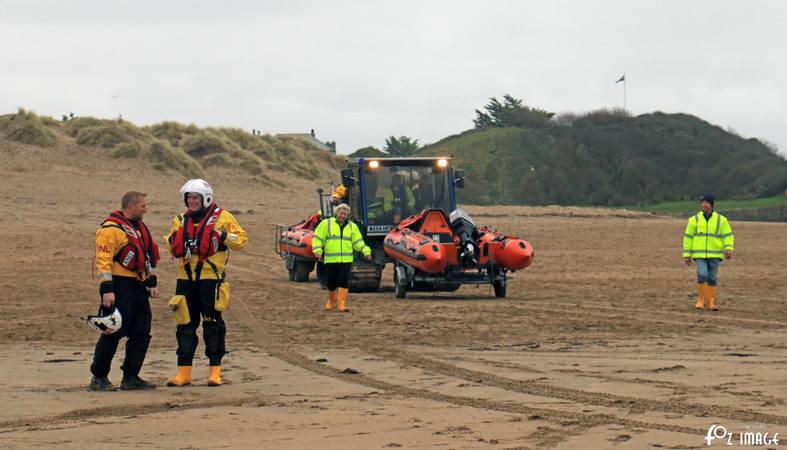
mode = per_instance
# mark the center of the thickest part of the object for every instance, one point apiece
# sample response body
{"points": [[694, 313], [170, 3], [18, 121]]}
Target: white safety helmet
{"points": [[106, 322], [198, 186]]}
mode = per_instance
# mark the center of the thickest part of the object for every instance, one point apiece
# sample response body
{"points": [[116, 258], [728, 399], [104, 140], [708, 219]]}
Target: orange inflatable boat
{"points": [[508, 252], [297, 239]]}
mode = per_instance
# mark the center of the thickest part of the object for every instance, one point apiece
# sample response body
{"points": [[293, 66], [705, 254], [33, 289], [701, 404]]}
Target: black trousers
{"points": [[132, 300], [337, 275], [200, 297]]}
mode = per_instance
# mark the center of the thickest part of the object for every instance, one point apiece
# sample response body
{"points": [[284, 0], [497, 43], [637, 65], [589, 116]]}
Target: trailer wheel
{"points": [[301, 272], [500, 288], [400, 282], [291, 274], [400, 290]]}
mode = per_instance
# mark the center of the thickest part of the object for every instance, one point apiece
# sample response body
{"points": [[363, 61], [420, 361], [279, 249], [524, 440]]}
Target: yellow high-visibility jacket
{"points": [[389, 199], [707, 239], [109, 241], [338, 244], [236, 238]]}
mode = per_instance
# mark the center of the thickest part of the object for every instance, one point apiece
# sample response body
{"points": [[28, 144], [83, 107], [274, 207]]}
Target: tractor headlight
{"points": [[374, 164], [442, 163]]}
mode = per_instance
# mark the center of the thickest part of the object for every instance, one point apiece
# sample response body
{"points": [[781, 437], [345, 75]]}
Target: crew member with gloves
{"points": [[201, 238]]}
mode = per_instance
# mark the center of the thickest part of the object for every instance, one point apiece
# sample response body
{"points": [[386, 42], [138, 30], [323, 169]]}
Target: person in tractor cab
{"points": [[423, 192], [335, 241], [398, 200], [338, 195]]}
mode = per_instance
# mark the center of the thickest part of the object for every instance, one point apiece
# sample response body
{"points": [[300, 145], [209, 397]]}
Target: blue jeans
{"points": [[707, 270]]}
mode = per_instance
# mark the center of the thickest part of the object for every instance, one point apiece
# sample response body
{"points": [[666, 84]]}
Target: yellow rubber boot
{"points": [[710, 294], [343, 299], [183, 377], [214, 376], [701, 288], [331, 300]]}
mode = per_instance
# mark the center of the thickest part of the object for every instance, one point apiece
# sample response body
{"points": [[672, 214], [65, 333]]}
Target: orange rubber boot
{"points": [[331, 300], [710, 294], [214, 376], [183, 377], [343, 299], [701, 289]]}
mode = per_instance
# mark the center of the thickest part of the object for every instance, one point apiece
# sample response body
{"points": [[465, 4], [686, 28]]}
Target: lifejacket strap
{"points": [[187, 268]]}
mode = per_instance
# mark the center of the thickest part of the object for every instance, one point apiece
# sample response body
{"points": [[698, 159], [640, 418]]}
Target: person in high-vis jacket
{"points": [[398, 199], [126, 257], [201, 238], [335, 240], [707, 240], [338, 195]]}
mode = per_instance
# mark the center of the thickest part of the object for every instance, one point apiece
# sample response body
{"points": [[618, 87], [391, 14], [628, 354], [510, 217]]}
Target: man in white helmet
{"points": [[126, 257], [201, 238]]}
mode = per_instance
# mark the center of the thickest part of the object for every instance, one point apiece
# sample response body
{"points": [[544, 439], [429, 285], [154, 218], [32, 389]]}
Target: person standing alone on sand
{"points": [[708, 238], [126, 256]]}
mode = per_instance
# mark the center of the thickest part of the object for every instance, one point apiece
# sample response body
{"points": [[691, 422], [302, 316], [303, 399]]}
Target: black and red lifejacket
{"points": [[141, 254], [202, 240]]}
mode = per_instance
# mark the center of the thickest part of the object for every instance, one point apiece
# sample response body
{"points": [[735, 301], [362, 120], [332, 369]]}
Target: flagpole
{"points": [[623, 79], [624, 92]]}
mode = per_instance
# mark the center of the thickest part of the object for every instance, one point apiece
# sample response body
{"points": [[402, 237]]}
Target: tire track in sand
{"points": [[569, 394], [105, 412], [692, 317], [650, 317], [283, 352]]}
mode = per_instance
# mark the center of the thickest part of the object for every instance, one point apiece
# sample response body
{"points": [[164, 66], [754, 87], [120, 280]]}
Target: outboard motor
{"points": [[464, 227]]}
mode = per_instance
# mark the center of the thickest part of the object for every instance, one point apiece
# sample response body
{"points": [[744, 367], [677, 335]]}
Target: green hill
{"points": [[611, 158]]}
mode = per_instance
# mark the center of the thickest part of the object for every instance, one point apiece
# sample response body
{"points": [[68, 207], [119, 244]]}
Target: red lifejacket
{"points": [[141, 253], [203, 240]]}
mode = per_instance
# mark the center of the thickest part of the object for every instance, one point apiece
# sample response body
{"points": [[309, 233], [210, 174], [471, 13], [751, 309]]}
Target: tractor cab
{"points": [[383, 191]]}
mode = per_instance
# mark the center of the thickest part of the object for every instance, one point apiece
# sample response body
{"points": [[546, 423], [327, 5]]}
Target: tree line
{"points": [[518, 154]]}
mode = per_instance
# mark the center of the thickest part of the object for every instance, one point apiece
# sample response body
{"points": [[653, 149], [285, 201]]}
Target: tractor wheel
{"points": [[301, 272], [500, 288]]}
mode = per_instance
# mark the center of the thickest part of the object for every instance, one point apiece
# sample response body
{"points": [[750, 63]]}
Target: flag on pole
{"points": [[622, 78]]}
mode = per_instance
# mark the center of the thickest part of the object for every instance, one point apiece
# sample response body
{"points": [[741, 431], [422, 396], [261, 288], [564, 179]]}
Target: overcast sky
{"points": [[359, 71]]}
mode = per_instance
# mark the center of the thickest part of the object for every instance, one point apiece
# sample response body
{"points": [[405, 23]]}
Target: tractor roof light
{"points": [[374, 164], [442, 163]]}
